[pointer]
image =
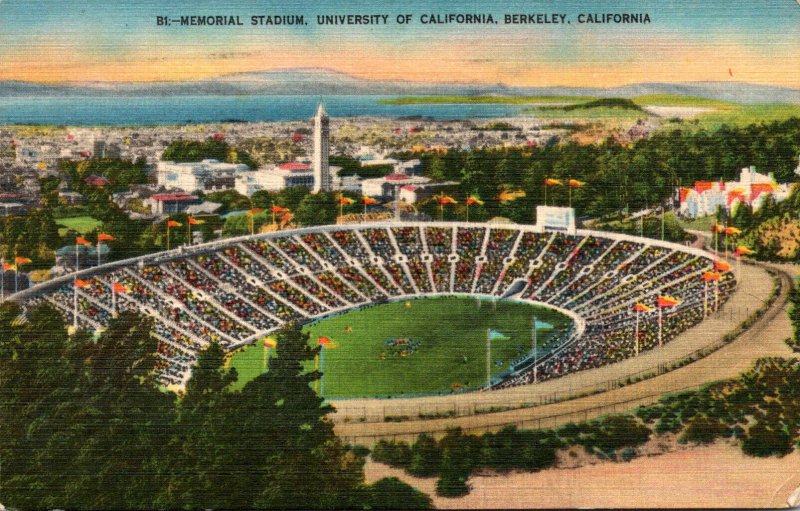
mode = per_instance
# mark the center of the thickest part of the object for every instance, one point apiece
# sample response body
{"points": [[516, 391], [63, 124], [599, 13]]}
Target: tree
{"points": [[392, 493]]}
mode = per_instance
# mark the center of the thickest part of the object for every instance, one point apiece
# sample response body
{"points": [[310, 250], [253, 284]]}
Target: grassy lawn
{"points": [[82, 224], [495, 100], [676, 100], [451, 333], [742, 115], [702, 223]]}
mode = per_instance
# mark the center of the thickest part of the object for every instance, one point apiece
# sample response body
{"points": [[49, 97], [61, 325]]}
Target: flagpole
{"points": [[636, 335], [316, 367], [113, 299], [467, 210], [74, 304], [16, 272], [266, 356], [705, 301], [535, 355], [98, 252], [322, 369], [660, 320], [2, 279], [167, 234], [488, 358]]}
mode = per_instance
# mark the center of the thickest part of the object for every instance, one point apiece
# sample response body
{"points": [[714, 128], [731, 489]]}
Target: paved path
{"points": [[765, 338]]}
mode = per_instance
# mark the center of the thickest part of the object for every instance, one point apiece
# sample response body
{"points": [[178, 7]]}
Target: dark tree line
{"points": [[618, 177], [85, 425]]}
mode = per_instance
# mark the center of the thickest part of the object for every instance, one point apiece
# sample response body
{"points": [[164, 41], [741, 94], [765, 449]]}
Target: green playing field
{"points": [[424, 346]]}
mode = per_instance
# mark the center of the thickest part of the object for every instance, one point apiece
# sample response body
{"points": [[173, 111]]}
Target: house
{"points": [[752, 188], [169, 203]]}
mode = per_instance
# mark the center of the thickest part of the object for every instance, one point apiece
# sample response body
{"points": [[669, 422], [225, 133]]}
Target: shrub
{"points": [[627, 454], [703, 430], [395, 454], [763, 441], [425, 457], [392, 493]]}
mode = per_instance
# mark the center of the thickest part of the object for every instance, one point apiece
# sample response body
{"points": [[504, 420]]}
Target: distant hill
{"points": [[321, 82]]}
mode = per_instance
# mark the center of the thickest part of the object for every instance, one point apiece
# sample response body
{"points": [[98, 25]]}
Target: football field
{"points": [[423, 346]]}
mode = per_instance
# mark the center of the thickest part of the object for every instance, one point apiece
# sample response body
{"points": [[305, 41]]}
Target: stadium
{"points": [[602, 297]]}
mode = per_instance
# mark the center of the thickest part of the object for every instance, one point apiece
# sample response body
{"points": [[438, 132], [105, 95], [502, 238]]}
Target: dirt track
{"points": [[765, 338], [700, 477]]}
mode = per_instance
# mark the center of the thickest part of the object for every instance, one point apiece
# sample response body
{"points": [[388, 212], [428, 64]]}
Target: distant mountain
{"points": [[321, 82]]}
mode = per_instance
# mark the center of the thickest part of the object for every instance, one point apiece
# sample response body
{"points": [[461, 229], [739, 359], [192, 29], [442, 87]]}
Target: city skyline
{"points": [[110, 42]]}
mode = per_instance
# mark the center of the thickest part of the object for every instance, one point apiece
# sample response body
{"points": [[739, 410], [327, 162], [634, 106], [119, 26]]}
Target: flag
{"points": [[80, 240], [119, 288], [81, 283], [709, 276], [9, 267], [270, 342], [667, 301], [497, 335], [575, 183], [509, 195], [742, 250], [732, 231], [105, 237], [22, 260], [368, 200], [552, 182], [474, 200], [722, 266], [718, 228], [446, 200], [640, 307], [255, 211], [173, 223], [195, 221], [278, 209], [325, 342], [346, 200]]}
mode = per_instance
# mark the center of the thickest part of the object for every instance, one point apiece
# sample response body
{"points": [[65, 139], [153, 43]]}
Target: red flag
{"points": [[447, 200], [22, 260], [325, 342], [345, 201], [80, 240], [742, 250], [279, 209], [640, 307], [81, 283], [195, 221], [709, 276], [474, 200], [722, 266], [732, 231], [173, 223], [105, 237], [667, 301], [8, 267], [552, 182], [269, 342], [368, 200], [119, 288], [575, 183], [256, 211]]}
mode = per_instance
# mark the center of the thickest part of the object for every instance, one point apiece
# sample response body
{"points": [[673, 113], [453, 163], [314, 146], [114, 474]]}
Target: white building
{"points": [[322, 175], [206, 175], [385, 187], [752, 188], [273, 178]]}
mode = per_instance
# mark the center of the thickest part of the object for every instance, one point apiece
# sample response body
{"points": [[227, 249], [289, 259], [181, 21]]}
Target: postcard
{"points": [[427, 254]]}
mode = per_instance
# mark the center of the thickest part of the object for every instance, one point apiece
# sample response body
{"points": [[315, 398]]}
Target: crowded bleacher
{"points": [[239, 291]]}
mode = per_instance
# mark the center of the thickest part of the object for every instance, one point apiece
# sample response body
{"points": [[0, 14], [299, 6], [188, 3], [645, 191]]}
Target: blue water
{"points": [[148, 110]]}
